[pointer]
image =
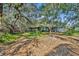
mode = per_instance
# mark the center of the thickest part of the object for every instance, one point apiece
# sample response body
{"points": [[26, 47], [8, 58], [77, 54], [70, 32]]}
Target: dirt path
{"points": [[54, 45]]}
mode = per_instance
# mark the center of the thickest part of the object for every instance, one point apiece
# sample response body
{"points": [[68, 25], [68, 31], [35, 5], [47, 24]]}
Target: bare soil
{"points": [[54, 45]]}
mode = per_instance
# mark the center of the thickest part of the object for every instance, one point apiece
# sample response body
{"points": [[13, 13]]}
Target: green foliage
{"points": [[6, 38], [71, 32], [76, 33], [64, 7], [68, 33], [32, 35]]}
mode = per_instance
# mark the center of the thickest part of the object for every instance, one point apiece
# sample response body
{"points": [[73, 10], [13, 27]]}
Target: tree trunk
{"points": [[49, 30], [1, 10], [1, 14]]}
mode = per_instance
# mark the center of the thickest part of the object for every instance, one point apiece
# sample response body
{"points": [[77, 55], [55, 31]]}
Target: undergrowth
{"points": [[7, 37]]}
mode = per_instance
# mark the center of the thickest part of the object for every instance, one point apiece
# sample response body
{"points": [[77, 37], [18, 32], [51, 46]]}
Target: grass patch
{"points": [[32, 35], [7, 37], [76, 33], [71, 33]]}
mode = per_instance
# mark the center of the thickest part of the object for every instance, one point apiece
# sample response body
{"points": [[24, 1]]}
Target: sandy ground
{"points": [[54, 45]]}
